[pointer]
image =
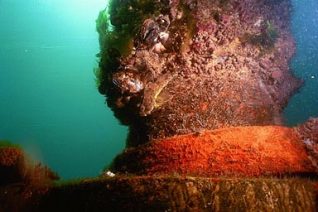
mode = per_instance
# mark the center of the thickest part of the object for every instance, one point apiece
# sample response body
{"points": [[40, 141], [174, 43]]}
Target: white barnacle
{"points": [[179, 15], [309, 143], [163, 36], [258, 22], [110, 174], [135, 85], [158, 48], [128, 81]]}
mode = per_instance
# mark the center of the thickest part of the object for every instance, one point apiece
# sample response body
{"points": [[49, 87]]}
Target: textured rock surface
{"points": [[17, 168], [224, 63], [12, 169], [180, 194], [21, 180], [308, 133]]}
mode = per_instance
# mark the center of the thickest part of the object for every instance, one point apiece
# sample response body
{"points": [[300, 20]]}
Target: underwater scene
{"points": [[159, 105]]}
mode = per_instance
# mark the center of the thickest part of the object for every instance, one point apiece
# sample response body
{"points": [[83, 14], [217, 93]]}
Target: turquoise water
{"points": [[305, 63], [48, 100]]}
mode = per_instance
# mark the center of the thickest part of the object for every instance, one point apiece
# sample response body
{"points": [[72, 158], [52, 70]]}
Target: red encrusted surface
{"points": [[10, 156], [240, 151], [12, 165]]}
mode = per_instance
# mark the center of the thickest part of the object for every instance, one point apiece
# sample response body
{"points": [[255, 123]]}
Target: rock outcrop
{"points": [[222, 64]]}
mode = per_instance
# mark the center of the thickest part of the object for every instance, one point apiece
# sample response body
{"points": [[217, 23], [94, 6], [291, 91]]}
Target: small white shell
{"points": [[158, 48], [163, 36], [110, 174], [179, 15], [258, 22], [135, 85]]}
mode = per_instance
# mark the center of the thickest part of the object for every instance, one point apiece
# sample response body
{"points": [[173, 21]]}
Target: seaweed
{"points": [[117, 25], [8, 144], [98, 77], [224, 3], [271, 32], [265, 39]]}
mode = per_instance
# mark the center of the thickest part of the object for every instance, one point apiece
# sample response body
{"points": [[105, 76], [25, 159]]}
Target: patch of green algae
{"points": [[7, 144]]}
